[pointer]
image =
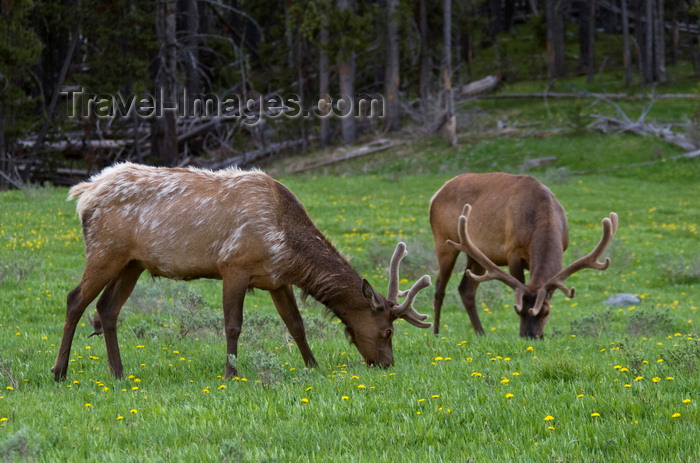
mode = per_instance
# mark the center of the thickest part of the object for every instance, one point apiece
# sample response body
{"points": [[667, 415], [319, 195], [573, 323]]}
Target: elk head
{"points": [[372, 335], [532, 302]]}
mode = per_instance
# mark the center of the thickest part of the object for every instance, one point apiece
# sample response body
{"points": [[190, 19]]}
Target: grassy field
{"points": [[606, 383]]}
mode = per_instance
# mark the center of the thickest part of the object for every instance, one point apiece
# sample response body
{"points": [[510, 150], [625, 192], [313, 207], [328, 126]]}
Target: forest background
{"points": [[71, 73]]}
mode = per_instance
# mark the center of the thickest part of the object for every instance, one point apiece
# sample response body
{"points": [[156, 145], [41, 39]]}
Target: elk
{"points": [[511, 220], [241, 227]]}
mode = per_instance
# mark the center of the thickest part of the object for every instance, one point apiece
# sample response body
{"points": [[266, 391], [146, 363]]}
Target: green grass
{"points": [[606, 383]]}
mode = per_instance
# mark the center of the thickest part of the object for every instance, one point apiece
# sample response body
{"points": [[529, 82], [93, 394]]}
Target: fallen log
{"points": [[378, 145]]}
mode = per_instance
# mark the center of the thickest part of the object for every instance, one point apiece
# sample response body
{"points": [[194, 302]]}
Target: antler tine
{"points": [[393, 291], [466, 245], [406, 310], [590, 260]]}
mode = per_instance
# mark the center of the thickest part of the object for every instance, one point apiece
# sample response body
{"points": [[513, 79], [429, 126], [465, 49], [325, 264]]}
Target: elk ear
{"points": [[372, 296]]}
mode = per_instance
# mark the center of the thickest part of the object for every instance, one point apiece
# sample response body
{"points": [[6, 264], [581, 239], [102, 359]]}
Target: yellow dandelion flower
{"points": [[361, 386], [639, 378], [222, 386], [88, 404], [421, 400], [309, 388], [548, 418], [628, 385], [135, 388], [595, 414], [476, 374], [530, 348], [10, 388], [119, 417], [656, 379], [686, 401], [304, 399], [435, 396], [675, 415], [551, 428], [509, 395], [505, 380], [345, 397], [3, 419]]}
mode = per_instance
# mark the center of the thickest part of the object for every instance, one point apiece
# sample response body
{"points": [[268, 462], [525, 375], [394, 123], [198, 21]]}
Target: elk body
{"points": [[502, 219], [242, 227]]}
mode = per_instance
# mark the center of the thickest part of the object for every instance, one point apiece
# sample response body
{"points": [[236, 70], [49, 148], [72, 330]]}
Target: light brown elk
{"points": [[512, 220], [242, 227]]}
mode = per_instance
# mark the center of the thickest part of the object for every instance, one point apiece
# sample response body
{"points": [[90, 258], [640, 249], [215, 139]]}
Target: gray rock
{"points": [[623, 299]]}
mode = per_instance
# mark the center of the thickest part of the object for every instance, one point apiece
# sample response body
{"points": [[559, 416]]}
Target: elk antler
{"points": [[494, 272], [588, 261], [405, 310]]}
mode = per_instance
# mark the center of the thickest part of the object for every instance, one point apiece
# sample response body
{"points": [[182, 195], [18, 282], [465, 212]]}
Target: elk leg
{"points": [[108, 307], [467, 289], [93, 281], [446, 261], [235, 288], [289, 311]]}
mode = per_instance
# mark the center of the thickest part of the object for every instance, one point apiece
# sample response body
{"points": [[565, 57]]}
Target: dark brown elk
{"points": [[241, 227], [512, 220]]}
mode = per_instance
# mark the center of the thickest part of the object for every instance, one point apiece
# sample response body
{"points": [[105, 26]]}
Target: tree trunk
{"points": [[392, 120], [191, 48], [346, 71], [323, 83], [424, 72], [649, 44], [659, 43], [590, 59], [626, 59], [163, 128], [450, 118], [555, 39]]}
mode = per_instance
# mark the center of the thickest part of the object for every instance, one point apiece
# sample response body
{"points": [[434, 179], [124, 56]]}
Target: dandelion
{"points": [[10, 388], [656, 379], [505, 380], [119, 417], [509, 395], [88, 404], [639, 378], [361, 386], [530, 348], [686, 401], [308, 388], [304, 400], [133, 410], [222, 386], [548, 418], [595, 414], [628, 385], [345, 397], [675, 415], [551, 428], [476, 374]]}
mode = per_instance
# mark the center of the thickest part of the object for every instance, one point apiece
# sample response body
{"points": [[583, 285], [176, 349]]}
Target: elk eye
{"points": [[389, 333]]}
